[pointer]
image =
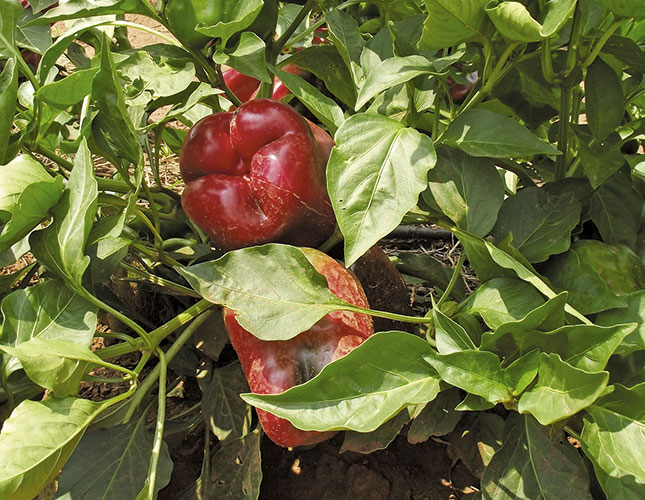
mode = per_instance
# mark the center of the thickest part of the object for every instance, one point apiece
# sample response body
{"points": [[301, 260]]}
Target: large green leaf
{"points": [[541, 223], [626, 8], [222, 408], [468, 190], [8, 101], [375, 174], [226, 17], [361, 390], [61, 246], [587, 347], [449, 23], [274, 289], [534, 463], [389, 73], [514, 21], [616, 210], [344, 32], [613, 437], [634, 312], [503, 300], [248, 57], [478, 372], [112, 129], [480, 132], [36, 441], [70, 90], [119, 456], [47, 310], [561, 390], [235, 470], [27, 193], [57, 365], [437, 418], [588, 292], [604, 99], [450, 335]]}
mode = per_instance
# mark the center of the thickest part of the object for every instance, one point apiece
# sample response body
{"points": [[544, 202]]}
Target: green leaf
{"points": [[588, 292], [474, 403], [165, 69], [617, 265], [541, 223], [468, 190], [613, 438], [634, 312], [616, 210], [229, 17], [561, 390], [344, 33], [625, 8], [61, 245], [600, 161], [521, 372], [321, 106], [431, 270], [274, 289], [68, 91], [118, 455], [375, 174], [112, 128], [514, 21], [437, 418], [36, 441], [604, 99], [477, 372], [503, 300], [8, 102], [361, 390], [8, 22], [223, 410], [326, 63], [449, 23], [587, 347], [379, 439], [558, 13], [390, 73], [27, 193], [248, 57], [450, 335], [534, 462], [480, 132], [57, 365], [235, 469], [47, 310], [78, 9]]}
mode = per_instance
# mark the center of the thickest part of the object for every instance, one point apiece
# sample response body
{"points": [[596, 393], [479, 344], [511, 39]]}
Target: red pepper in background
{"points": [[272, 367], [257, 175], [245, 87]]}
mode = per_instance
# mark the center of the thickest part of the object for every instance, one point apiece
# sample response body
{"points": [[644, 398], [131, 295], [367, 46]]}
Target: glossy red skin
{"points": [[272, 367], [257, 175]]}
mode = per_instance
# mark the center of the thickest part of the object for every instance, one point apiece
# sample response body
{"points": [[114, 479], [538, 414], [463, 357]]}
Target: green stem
{"points": [[21, 62], [280, 42], [572, 47], [601, 42], [161, 419], [159, 281], [387, 315], [133, 325], [332, 241], [517, 170], [151, 379], [149, 225], [152, 31], [563, 134], [158, 334], [453, 279], [546, 61]]}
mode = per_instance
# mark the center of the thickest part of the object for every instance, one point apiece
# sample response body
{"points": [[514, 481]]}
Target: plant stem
{"points": [[453, 279], [563, 134], [158, 334], [161, 419], [601, 42], [280, 42], [151, 379]]}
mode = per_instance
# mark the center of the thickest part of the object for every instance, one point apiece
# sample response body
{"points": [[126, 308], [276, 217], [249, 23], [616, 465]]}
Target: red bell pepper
{"points": [[272, 367], [245, 87], [257, 175]]}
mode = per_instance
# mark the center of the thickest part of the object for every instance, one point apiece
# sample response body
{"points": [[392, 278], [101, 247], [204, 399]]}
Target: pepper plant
{"points": [[537, 171]]}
